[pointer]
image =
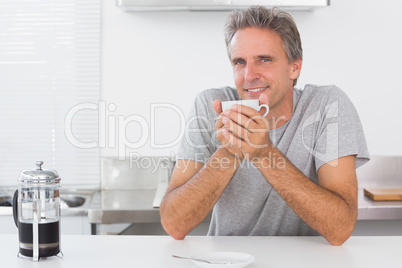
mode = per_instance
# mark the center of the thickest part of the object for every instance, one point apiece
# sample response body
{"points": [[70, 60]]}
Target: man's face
{"points": [[260, 66]]}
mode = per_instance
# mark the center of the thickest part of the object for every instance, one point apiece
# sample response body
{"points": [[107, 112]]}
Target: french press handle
{"points": [[15, 208]]}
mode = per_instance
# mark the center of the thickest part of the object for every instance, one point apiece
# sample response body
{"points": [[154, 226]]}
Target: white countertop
{"points": [[156, 251]]}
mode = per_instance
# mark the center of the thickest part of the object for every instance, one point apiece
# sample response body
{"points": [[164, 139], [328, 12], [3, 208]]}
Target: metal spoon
{"points": [[200, 260]]}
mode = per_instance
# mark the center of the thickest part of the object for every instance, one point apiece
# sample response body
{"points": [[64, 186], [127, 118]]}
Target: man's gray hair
{"points": [[263, 18]]}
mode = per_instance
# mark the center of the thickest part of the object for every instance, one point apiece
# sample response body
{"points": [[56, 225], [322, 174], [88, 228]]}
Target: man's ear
{"points": [[296, 69]]}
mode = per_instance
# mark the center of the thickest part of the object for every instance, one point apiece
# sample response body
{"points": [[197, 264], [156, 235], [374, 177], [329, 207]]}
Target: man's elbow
{"points": [[338, 241], [342, 231], [341, 236], [177, 235], [173, 231]]}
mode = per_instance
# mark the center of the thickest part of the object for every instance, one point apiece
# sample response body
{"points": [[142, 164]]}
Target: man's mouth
{"points": [[256, 90]]}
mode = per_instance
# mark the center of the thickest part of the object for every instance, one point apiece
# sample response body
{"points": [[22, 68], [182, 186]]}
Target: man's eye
{"points": [[239, 62], [266, 60]]}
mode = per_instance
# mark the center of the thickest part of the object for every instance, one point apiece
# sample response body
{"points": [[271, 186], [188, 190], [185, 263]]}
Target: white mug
{"points": [[255, 104]]}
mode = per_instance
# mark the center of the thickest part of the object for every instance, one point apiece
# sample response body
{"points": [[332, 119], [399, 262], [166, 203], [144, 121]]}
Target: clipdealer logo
{"points": [[112, 127], [330, 149], [112, 130]]}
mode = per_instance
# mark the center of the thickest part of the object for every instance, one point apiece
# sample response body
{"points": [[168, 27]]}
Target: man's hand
{"points": [[242, 130], [222, 133]]}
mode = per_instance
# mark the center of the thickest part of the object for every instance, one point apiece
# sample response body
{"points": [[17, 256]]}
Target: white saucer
{"points": [[224, 259]]}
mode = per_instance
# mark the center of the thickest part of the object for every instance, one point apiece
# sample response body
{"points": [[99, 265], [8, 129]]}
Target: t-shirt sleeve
{"points": [[199, 141], [340, 132]]}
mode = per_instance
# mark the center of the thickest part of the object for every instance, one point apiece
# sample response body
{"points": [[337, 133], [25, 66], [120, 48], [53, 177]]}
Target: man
{"points": [[290, 173]]}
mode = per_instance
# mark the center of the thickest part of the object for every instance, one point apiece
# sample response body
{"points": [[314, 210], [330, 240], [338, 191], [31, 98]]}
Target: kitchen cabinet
{"points": [[215, 5], [7, 225], [129, 212], [378, 228], [75, 225], [379, 217]]}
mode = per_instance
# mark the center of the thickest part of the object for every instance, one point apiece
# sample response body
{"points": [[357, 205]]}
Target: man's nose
{"points": [[251, 73]]}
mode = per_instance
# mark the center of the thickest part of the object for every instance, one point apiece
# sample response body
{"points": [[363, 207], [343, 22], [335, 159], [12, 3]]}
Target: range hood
{"points": [[216, 5]]}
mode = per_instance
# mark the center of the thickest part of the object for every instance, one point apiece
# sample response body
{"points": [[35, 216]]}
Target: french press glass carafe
{"points": [[36, 210]]}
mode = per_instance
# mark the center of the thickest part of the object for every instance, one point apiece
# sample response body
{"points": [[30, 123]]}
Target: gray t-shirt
{"points": [[324, 126]]}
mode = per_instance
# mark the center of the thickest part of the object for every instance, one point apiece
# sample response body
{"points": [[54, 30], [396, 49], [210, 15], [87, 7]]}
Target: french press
{"points": [[36, 211]]}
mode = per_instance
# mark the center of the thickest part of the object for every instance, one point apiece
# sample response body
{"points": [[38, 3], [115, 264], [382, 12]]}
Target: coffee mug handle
{"points": [[266, 107]]}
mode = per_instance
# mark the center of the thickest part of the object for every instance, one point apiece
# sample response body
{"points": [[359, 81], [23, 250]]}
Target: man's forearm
{"points": [[187, 205], [323, 210]]}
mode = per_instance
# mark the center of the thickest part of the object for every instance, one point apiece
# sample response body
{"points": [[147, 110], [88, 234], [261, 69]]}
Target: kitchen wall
{"points": [[166, 58]]}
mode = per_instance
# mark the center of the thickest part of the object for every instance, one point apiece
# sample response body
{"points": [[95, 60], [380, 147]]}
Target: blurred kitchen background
{"points": [[100, 94]]}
